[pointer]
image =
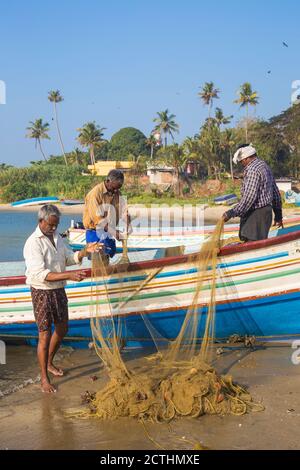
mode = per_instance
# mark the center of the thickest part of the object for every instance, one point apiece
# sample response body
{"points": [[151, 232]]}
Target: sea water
{"points": [[15, 228]]}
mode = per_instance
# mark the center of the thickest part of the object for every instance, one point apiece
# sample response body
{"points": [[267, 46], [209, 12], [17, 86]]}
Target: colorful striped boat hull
{"points": [[258, 292]]}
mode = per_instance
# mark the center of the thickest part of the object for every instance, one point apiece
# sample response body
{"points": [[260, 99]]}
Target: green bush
{"points": [[45, 180], [22, 190]]}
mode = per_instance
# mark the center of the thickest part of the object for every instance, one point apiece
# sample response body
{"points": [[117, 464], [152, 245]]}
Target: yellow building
{"points": [[101, 168]]}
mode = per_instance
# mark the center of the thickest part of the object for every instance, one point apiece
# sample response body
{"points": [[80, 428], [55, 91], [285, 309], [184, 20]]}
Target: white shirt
{"points": [[41, 258]]}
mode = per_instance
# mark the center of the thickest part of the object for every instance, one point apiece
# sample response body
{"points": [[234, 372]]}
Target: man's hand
{"points": [[225, 217], [77, 276], [278, 223], [95, 247], [89, 248]]}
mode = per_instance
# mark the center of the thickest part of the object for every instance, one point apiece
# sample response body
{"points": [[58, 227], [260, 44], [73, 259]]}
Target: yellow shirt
{"points": [[96, 206]]}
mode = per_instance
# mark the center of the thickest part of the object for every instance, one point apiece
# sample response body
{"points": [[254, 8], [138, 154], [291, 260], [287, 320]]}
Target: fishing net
{"points": [[178, 379]]}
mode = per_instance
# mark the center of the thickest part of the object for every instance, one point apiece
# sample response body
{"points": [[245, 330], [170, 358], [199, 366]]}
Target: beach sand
{"points": [[30, 419]]}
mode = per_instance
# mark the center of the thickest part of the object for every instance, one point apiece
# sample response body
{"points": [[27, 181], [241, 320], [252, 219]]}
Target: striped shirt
{"points": [[259, 189]]}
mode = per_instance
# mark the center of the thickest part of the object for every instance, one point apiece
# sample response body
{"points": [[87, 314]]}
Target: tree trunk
{"points": [[209, 110], [40, 145], [216, 173], [59, 135], [177, 182], [92, 156], [247, 108], [231, 169], [152, 149]]}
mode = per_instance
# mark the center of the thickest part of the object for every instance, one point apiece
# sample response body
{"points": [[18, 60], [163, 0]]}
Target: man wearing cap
{"points": [[260, 196]]}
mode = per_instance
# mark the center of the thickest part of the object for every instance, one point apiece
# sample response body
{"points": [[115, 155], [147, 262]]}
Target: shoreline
{"points": [[211, 214]]}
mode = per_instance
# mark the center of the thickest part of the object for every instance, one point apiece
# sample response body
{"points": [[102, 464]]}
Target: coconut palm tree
{"points": [[247, 96], [76, 157], [166, 125], [151, 142], [208, 93], [91, 137], [210, 147], [190, 146], [55, 97], [38, 130], [221, 119]]}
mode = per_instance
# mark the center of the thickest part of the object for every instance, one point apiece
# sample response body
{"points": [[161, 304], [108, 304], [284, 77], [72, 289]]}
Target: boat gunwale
{"points": [[174, 260], [206, 229]]}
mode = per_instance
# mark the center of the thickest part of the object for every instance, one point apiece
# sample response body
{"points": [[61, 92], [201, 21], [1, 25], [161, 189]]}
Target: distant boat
{"points": [[71, 202], [292, 198], [35, 201], [226, 199]]}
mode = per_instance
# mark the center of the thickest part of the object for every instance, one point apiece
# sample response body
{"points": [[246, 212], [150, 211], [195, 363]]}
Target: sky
{"points": [[119, 62]]}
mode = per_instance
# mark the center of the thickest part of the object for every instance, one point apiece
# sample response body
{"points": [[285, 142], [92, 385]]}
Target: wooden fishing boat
{"points": [[143, 240], [257, 292], [227, 199], [71, 202], [36, 201], [164, 237]]}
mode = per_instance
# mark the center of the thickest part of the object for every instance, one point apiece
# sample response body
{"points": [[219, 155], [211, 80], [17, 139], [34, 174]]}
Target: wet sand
{"points": [[30, 419]]}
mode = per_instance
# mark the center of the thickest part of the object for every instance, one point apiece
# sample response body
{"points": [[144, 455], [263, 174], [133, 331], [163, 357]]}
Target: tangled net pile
{"points": [[176, 381]]}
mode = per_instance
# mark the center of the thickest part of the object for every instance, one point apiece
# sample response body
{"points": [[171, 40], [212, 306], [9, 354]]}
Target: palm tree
{"points": [[151, 142], [90, 136], [247, 96], [166, 124], [56, 97], [221, 119], [210, 148], [190, 146], [38, 130], [76, 157], [208, 94]]}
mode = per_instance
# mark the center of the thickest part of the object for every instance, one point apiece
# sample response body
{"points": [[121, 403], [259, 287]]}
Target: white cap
{"points": [[243, 152]]}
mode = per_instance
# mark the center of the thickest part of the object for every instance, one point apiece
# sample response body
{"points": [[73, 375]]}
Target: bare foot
{"points": [[47, 387], [56, 371]]}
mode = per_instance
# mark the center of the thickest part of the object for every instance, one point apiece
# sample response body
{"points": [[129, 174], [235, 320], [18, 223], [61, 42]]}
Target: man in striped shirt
{"points": [[260, 196]]}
